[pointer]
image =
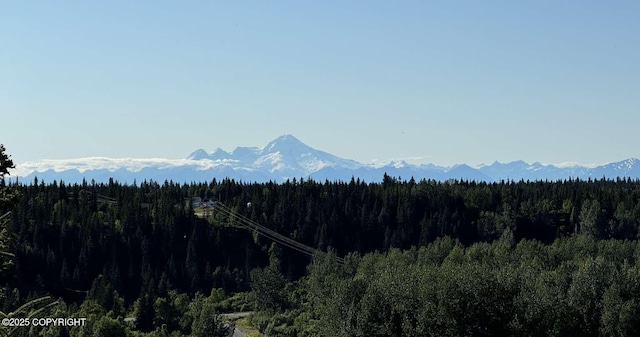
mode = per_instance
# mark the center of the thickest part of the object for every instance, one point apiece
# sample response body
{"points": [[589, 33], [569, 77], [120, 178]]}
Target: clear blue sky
{"points": [[450, 81]]}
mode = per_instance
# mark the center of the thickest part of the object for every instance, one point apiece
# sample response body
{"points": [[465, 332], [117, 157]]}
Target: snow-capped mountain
{"points": [[286, 157], [625, 168]]}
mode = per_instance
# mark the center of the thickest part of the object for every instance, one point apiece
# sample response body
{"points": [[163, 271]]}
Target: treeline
{"points": [[146, 237]]}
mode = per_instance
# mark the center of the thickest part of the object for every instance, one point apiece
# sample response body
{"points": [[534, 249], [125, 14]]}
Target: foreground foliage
{"points": [[573, 287]]}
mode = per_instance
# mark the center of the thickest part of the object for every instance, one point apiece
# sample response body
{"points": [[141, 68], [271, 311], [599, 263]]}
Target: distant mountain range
{"points": [[286, 157]]}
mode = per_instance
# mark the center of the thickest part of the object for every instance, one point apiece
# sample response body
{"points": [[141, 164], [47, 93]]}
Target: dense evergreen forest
{"points": [[421, 258]]}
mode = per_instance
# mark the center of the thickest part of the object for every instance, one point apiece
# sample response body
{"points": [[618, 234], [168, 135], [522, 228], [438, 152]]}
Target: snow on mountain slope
{"points": [[625, 168], [198, 154], [306, 157], [286, 157]]}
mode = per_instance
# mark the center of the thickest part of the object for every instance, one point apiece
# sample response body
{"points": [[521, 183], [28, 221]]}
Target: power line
{"points": [[269, 233]]}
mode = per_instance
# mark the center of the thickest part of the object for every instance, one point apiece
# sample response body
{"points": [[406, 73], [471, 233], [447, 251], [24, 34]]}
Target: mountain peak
{"points": [[625, 165], [198, 155], [286, 144], [218, 154], [283, 142], [288, 137]]}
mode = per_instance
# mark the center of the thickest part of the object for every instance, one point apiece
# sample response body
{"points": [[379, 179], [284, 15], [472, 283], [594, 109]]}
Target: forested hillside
{"points": [[577, 286], [128, 248], [148, 233]]}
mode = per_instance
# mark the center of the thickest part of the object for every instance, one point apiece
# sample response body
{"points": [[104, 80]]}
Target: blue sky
{"points": [[449, 82]]}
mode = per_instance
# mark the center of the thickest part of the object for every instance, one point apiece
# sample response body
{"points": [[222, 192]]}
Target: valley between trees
{"points": [[421, 258]]}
